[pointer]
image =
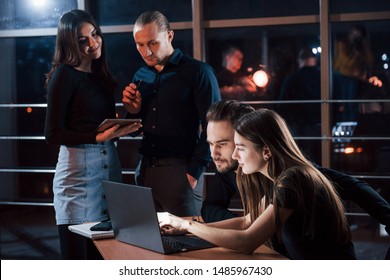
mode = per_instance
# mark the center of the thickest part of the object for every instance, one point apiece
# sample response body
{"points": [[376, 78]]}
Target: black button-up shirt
{"points": [[173, 112]]}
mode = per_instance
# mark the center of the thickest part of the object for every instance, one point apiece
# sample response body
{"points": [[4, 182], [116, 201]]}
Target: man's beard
{"points": [[232, 167]]}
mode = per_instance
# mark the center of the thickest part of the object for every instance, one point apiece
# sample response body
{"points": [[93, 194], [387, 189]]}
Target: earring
{"points": [[266, 158]]}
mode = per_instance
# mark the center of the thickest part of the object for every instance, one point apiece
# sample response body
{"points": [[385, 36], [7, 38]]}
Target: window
{"points": [[26, 14]]}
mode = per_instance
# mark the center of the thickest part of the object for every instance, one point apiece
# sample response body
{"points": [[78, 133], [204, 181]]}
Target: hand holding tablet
{"points": [[108, 123], [113, 128]]}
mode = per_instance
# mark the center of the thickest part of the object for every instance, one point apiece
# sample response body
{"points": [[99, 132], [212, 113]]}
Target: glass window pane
{"points": [[27, 121], [359, 6], [23, 14], [27, 154], [117, 12], [361, 75], [25, 61], [304, 119], [273, 49], [233, 9], [359, 156], [23, 186], [371, 37]]}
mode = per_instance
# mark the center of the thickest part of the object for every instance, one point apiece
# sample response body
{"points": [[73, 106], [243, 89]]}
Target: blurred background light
{"points": [[260, 78]]}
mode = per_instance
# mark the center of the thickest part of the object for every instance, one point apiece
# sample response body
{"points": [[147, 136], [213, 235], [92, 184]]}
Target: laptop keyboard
{"points": [[174, 244]]}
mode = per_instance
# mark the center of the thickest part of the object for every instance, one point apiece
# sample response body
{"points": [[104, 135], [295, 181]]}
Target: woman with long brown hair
{"points": [[287, 202], [80, 95]]}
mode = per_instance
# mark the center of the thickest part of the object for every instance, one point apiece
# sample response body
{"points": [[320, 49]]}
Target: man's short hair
{"points": [[154, 17], [228, 110]]}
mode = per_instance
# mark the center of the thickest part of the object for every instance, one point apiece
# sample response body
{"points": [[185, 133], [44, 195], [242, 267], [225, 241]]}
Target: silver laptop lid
{"points": [[133, 215]]}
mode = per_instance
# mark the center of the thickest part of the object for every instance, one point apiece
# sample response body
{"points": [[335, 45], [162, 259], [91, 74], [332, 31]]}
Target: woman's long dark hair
{"points": [[289, 169], [67, 49]]}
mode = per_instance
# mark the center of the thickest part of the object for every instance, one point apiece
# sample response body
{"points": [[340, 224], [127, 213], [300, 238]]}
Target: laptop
{"points": [[134, 221]]}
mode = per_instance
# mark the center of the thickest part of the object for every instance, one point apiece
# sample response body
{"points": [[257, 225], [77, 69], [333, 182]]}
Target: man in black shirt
{"points": [[220, 136], [171, 94], [233, 83], [305, 84]]}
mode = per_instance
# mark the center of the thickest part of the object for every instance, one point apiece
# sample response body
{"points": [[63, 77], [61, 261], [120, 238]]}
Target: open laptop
{"points": [[134, 221]]}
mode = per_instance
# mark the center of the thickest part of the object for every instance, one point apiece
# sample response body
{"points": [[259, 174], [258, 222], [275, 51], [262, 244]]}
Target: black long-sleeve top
{"points": [[302, 85], [219, 194], [174, 106], [76, 104]]}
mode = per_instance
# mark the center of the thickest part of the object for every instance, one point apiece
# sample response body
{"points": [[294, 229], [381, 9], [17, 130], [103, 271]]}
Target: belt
{"points": [[151, 161]]}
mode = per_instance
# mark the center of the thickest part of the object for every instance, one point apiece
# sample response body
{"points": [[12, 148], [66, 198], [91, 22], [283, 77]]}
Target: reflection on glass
{"points": [[33, 187], [31, 59], [358, 6], [27, 121], [272, 49], [233, 9], [358, 74], [23, 14]]}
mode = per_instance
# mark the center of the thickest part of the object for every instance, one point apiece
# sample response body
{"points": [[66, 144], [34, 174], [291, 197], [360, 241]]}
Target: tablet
{"points": [[107, 123]]}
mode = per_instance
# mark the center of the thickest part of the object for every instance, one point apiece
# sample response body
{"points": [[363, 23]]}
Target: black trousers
{"points": [[170, 187], [76, 247]]}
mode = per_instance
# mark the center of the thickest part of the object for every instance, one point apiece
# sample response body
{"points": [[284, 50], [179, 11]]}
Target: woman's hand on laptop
{"points": [[171, 224]]}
